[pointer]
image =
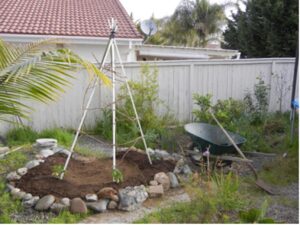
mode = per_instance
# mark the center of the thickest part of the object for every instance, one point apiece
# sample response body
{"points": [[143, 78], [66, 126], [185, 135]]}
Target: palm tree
{"points": [[202, 17], [29, 73], [193, 24]]}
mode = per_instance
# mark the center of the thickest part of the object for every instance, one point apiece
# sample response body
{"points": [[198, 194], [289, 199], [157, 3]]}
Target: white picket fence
{"points": [[177, 80]]}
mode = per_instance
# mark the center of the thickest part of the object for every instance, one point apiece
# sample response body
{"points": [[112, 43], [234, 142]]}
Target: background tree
{"points": [[28, 72], [267, 28], [193, 24]]}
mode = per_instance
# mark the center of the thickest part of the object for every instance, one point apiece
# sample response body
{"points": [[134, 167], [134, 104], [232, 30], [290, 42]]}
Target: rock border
{"points": [[126, 199]]}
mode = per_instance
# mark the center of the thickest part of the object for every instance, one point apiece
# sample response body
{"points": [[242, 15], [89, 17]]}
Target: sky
{"points": [[144, 9]]}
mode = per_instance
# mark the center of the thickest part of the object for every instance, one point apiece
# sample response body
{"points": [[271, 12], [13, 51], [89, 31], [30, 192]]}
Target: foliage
{"points": [[57, 170], [210, 201], [63, 137], [193, 24], [26, 135], [264, 29], [13, 161], [227, 111], [227, 196], [7, 205], [257, 106], [256, 215], [28, 72], [65, 217], [21, 136], [117, 176], [145, 94]]}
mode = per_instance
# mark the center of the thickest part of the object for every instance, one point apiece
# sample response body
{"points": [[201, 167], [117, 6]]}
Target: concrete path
{"points": [[151, 205]]}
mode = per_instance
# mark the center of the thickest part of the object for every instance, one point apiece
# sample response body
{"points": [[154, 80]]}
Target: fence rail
{"points": [[177, 80]]}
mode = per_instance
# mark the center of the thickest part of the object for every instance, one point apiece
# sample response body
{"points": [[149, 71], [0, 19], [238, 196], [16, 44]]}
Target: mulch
{"points": [[89, 176]]}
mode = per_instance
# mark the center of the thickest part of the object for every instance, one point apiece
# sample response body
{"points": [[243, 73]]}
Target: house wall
{"points": [[178, 80]]}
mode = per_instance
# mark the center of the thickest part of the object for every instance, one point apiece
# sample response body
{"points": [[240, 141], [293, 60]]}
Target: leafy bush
{"points": [[13, 161], [145, 94], [227, 111], [257, 103], [228, 197], [20, 136], [256, 215], [26, 135], [63, 137], [7, 205]]}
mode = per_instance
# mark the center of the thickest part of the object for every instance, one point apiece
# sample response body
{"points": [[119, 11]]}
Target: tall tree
{"points": [[31, 72], [193, 24], [267, 28]]}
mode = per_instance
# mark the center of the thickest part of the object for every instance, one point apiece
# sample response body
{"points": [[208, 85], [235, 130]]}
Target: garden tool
{"points": [[260, 183]]}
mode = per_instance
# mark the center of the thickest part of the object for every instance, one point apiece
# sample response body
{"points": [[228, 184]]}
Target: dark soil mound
{"points": [[89, 176]]}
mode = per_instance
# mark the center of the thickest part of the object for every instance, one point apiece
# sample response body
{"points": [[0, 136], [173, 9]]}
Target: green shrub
{"points": [[258, 102], [228, 197], [63, 137], [227, 111], [25, 135], [255, 215], [21, 136], [13, 161], [7, 205], [145, 94]]}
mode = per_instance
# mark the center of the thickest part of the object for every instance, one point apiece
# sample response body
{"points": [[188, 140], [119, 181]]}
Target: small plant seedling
{"points": [[57, 170], [117, 176]]}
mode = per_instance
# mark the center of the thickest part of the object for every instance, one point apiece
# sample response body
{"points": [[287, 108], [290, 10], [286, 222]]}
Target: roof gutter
{"points": [[26, 38]]}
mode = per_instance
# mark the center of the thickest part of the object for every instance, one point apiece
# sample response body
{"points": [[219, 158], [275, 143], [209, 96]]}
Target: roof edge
{"points": [[25, 38]]}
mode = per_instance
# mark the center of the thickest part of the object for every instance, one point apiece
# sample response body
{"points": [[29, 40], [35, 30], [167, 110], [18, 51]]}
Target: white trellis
{"points": [[111, 47]]}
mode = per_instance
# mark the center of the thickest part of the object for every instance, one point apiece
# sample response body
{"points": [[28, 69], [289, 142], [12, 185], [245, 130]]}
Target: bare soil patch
{"points": [[89, 176]]}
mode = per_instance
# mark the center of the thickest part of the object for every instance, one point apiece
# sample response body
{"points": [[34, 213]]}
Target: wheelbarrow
{"points": [[220, 142], [204, 135]]}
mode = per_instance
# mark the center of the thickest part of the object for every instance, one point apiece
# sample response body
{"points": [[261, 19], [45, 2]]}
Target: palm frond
{"points": [[28, 72]]}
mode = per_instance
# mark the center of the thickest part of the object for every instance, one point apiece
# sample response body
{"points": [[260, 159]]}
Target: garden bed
{"points": [[89, 175]]}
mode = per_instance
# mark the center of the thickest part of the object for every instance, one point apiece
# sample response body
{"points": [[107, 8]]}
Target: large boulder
{"points": [[78, 206], [131, 198], [45, 203], [162, 178]]}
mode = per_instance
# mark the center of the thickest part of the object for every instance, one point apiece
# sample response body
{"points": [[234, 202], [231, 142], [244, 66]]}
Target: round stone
{"points": [[91, 197], [162, 178], [22, 171], [99, 206], [112, 205], [65, 201], [46, 153], [32, 164], [45, 203], [78, 206], [13, 176]]}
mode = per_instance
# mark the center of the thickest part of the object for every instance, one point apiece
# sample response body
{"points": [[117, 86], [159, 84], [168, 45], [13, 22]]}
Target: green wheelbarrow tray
{"points": [[204, 135]]}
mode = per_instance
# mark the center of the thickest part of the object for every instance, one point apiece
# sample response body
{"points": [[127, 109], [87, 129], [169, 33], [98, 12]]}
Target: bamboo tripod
{"points": [[111, 47]]}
